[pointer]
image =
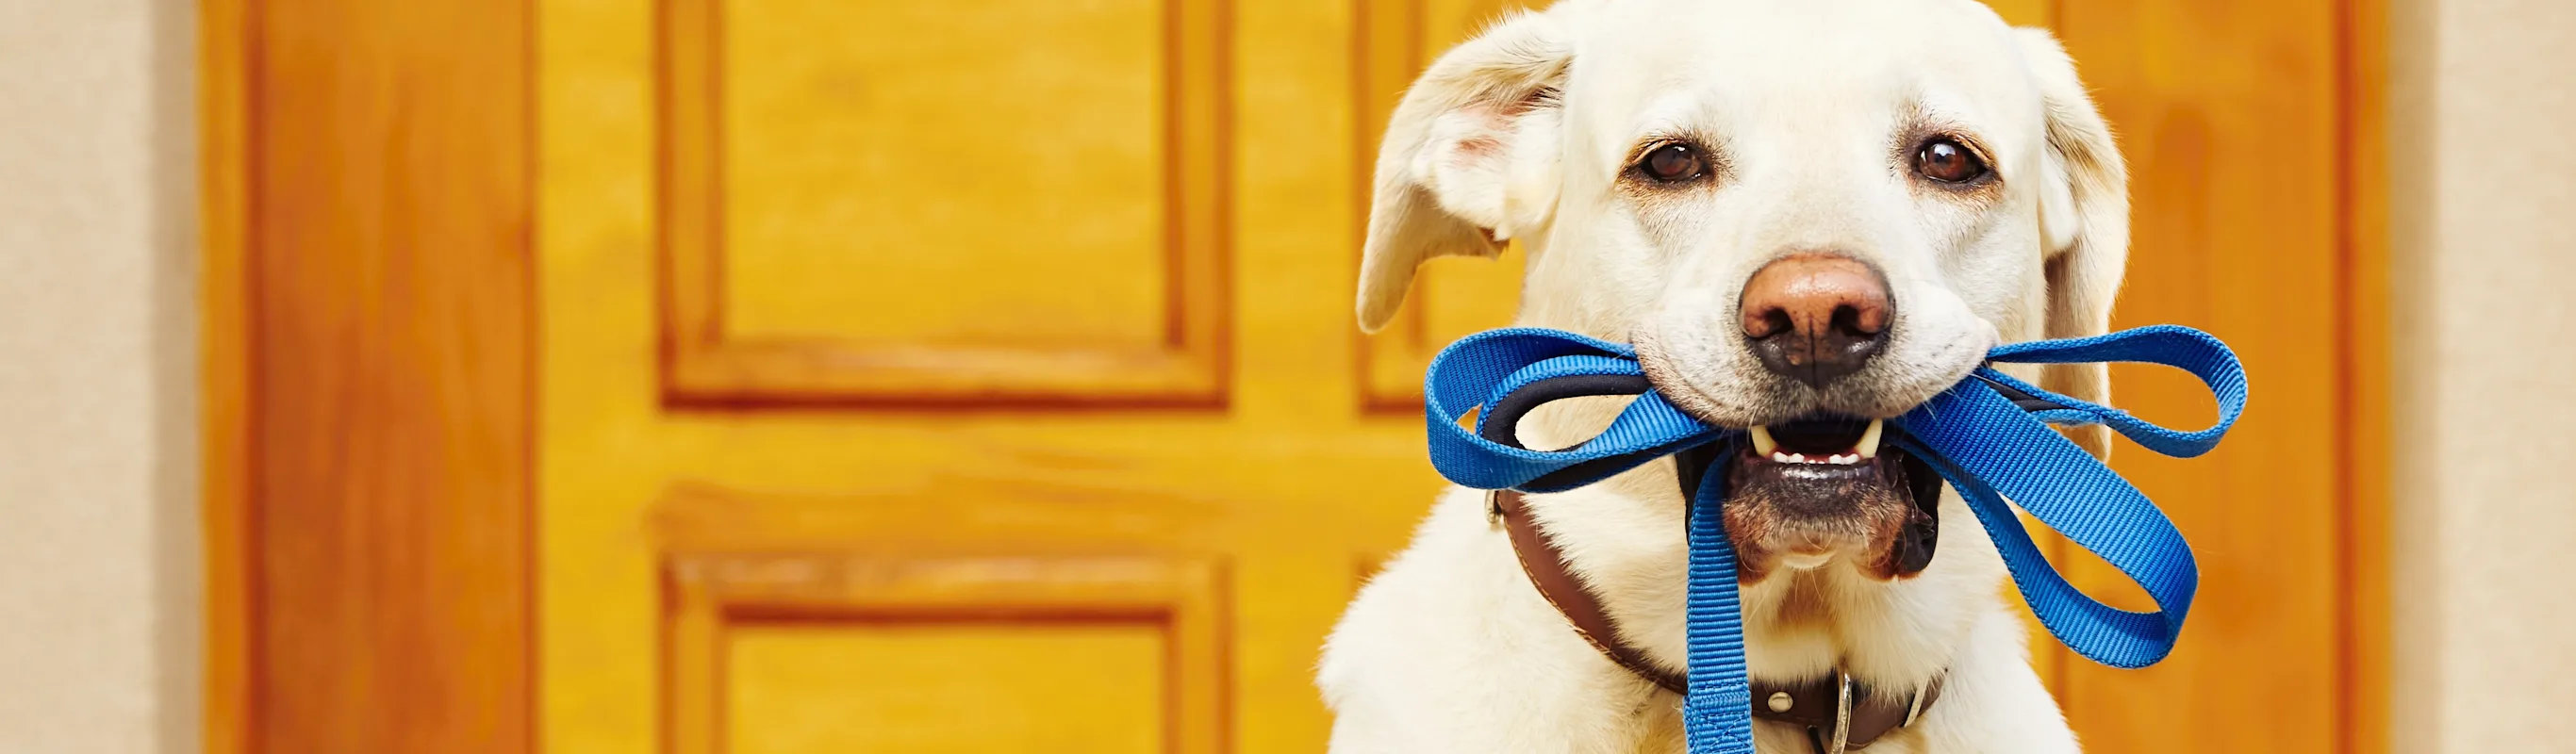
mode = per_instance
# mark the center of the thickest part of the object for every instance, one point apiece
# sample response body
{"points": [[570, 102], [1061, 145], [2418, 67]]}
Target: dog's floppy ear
{"points": [[1470, 157], [2084, 220]]}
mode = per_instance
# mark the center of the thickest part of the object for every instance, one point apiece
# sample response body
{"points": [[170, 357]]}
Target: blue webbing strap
{"points": [[1989, 449]]}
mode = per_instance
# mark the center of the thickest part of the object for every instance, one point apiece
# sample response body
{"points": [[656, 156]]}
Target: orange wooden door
{"points": [[807, 375]]}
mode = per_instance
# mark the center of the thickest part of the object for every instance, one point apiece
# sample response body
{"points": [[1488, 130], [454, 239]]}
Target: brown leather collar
{"points": [[1837, 711]]}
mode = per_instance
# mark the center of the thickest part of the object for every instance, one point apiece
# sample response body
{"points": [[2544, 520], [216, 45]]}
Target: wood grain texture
{"points": [[915, 353], [381, 391]]}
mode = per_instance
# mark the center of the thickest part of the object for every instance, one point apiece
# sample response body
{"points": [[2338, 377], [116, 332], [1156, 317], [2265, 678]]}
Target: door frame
{"points": [[2362, 393], [370, 539], [287, 290]]}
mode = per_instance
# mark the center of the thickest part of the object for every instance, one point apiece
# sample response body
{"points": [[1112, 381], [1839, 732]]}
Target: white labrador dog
{"points": [[1805, 215]]}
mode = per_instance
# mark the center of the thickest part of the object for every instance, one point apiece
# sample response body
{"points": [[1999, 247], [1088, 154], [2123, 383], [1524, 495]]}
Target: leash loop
{"points": [[1987, 436], [2192, 351], [1475, 371]]}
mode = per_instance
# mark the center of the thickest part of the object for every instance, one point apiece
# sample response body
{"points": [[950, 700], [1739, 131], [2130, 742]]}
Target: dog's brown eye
{"points": [[1674, 163], [1948, 161]]}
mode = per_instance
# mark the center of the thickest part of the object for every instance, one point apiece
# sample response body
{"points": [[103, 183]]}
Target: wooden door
{"points": [[705, 376], [966, 376]]}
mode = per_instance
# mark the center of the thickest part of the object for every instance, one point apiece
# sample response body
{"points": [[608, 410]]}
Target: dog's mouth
{"points": [[1806, 491]]}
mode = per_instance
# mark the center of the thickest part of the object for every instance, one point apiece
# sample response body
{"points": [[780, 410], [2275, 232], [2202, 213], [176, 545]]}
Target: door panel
{"points": [[801, 689], [835, 116], [867, 650], [1042, 202]]}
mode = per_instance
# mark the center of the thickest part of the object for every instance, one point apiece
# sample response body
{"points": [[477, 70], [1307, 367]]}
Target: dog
{"points": [[1806, 216]]}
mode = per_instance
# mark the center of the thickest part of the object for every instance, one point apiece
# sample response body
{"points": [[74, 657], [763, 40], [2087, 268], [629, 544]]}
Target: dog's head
{"points": [[1807, 216]]}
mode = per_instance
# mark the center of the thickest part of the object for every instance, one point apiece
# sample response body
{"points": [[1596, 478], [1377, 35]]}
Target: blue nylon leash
{"points": [[1987, 436]]}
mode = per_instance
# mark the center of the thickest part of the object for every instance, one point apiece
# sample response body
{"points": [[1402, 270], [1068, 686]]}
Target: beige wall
{"points": [[98, 541], [2484, 191]]}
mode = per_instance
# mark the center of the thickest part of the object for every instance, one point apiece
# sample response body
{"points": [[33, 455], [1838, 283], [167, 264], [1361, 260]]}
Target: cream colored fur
{"points": [[1524, 133]]}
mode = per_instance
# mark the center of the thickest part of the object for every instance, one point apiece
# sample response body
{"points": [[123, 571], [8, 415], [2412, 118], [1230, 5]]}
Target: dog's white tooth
{"points": [[1869, 438], [1797, 458], [1762, 442], [1781, 457], [1839, 459]]}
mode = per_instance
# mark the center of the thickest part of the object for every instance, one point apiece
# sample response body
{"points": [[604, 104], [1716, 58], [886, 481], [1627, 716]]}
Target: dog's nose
{"points": [[1816, 317]]}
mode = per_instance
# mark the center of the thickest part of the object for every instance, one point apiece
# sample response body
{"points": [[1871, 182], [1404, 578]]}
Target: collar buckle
{"points": [[1839, 739]]}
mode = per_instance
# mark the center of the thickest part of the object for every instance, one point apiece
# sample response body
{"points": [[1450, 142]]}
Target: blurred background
{"points": [[768, 376]]}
